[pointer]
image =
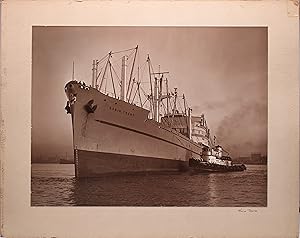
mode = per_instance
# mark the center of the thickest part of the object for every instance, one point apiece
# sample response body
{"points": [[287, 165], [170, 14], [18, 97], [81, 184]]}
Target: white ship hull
{"points": [[118, 137]]}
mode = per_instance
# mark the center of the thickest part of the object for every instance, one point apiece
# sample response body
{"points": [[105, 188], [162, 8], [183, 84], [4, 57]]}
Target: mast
{"points": [[158, 96], [160, 86], [168, 98], [93, 73], [151, 95], [96, 73], [73, 71], [156, 100], [175, 101], [184, 104], [190, 123], [123, 78]]}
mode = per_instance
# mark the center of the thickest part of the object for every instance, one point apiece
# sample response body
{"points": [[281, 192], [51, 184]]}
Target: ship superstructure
{"points": [[118, 127]]}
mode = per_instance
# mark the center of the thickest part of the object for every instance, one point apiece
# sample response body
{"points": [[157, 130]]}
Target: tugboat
{"points": [[213, 160]]}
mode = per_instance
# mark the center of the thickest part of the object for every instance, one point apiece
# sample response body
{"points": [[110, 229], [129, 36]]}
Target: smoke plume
{"points": [[241, 132]]}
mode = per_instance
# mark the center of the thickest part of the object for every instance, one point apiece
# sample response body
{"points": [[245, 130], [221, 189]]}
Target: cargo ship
{"points": [[127, 130]]}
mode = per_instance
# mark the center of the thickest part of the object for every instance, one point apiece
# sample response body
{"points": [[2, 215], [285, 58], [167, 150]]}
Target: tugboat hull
{"points": [[204, 167]]}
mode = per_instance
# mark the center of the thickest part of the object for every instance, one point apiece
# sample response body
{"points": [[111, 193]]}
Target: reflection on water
{"points": [[212, 190], [55, 185]]}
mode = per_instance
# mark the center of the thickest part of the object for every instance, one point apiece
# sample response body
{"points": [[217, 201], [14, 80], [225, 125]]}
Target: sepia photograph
{"points": [[149, 119], [149, 116]]}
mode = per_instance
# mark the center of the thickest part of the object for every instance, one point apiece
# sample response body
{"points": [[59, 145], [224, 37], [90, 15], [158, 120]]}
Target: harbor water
{"points": [[55, 185]]}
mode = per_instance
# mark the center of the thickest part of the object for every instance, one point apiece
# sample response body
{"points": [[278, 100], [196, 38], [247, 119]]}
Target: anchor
{"points": [[90, 107], [68, 108]]}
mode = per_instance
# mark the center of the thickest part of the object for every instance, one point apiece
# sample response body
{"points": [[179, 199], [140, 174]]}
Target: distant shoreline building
{"points": [[254, 158], [57, 159]]}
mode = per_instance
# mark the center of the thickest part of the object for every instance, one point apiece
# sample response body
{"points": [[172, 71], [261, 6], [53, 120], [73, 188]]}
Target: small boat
{"points": [[213, 160]]}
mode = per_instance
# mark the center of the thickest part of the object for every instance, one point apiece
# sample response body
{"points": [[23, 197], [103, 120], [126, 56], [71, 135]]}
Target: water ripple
{"points": [[55, 185]]}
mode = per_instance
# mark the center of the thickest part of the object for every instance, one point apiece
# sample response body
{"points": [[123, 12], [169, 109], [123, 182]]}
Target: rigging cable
{"points": [[116, 75], [139, 93], [131, 72], [105, 71], [134, 95], [102, 59], [121, 51]]}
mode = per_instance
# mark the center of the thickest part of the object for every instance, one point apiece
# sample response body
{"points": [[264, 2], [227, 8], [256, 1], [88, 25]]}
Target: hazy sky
{"points": [[222, 71]]}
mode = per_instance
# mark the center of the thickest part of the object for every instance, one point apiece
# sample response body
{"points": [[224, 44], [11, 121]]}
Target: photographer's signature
{"points": [[250, 210]]}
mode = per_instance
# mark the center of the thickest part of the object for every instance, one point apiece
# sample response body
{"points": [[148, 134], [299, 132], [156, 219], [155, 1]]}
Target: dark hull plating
{"points": [[94, 164]]}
